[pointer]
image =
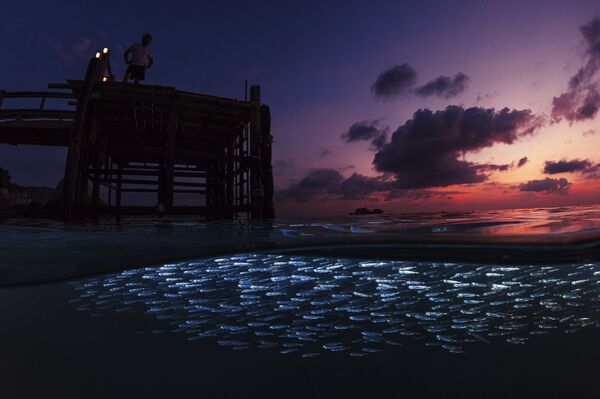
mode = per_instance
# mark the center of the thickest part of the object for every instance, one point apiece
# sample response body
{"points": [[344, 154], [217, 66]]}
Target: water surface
{"points": [[487, 304]]}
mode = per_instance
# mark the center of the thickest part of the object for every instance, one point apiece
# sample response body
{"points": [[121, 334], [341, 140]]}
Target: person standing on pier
{"points": [[140, 60]]}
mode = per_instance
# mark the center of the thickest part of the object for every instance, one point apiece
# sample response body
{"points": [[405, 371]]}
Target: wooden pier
{"points": [[150, 139]]}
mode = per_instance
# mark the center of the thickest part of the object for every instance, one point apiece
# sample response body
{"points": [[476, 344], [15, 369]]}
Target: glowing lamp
{"points": [[98, 55], [105, 50]]}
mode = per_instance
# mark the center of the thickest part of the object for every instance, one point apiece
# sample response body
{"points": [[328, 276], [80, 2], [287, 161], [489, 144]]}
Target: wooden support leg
{"points": [[256, 190], [96, 187], [169, 181], [165, 186], [209, 196], [118, 190], [160, 193], [230, 177], [83, 200], [108, 177]]}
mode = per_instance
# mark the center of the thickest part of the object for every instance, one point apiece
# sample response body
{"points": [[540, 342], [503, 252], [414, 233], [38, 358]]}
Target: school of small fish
{"points": [[309, 306]]}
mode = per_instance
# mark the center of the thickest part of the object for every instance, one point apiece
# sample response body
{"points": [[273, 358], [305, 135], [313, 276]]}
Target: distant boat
{"points": [[366, 211]]}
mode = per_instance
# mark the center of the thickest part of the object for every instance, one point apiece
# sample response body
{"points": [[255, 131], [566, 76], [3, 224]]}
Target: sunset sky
{"points": [[387, 104]]}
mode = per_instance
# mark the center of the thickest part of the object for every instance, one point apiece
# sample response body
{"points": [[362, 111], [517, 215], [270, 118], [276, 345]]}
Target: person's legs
{"points": [[128, 74], [140, 75]]}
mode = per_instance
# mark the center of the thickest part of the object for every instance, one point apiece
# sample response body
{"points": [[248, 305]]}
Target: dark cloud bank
{"points": [[581, 101], [428, 150], [425, 152]]}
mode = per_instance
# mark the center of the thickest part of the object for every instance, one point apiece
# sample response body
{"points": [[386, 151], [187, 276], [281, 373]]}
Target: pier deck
{"points": [[149, 140]]}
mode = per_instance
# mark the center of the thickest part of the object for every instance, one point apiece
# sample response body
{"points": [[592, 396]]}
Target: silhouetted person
{"points": [[140, 60]]}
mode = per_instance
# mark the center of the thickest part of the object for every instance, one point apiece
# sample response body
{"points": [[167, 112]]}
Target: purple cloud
{"points": [[581, 101], [331, 183], [564, 166], [366, 130], [547, 185], [427, 151], [444, 86], [522, 162], [394, 81]]}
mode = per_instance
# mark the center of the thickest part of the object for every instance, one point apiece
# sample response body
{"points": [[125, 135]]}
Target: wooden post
{"points": [[222, 207], [77, 165], [254, 143], [266, 140], [208, 203], [108, 178], [96, 185], [230, 178], [168, 180], [118, 189], [161, 192]]}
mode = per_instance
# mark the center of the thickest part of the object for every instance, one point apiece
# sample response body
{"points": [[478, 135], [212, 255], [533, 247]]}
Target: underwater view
{"points": [[255, 320]]}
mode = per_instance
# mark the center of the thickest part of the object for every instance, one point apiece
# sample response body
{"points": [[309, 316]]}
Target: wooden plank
{"points": [[218, 123], [35, 125], [161, 153], [180, 191], [152, 210], [37, 94], [169, 165], [150, 182], [115, 100], [129, 181], [75, 84], [48, 137], [138, 190], [59, 86], [36, 114], [130, 172]]}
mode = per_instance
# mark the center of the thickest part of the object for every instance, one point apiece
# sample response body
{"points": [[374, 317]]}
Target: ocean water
{"points": [[479, 304]]}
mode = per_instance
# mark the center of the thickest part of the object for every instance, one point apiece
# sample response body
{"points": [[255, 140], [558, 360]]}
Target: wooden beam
{"points": [[36, 114], [36, 94]]}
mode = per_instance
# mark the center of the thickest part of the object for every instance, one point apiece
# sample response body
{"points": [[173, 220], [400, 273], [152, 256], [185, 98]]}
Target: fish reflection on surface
{"points": [[307, 305]]}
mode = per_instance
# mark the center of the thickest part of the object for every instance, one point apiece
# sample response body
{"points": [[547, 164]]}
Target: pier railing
{"points": [[35, 122]]}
